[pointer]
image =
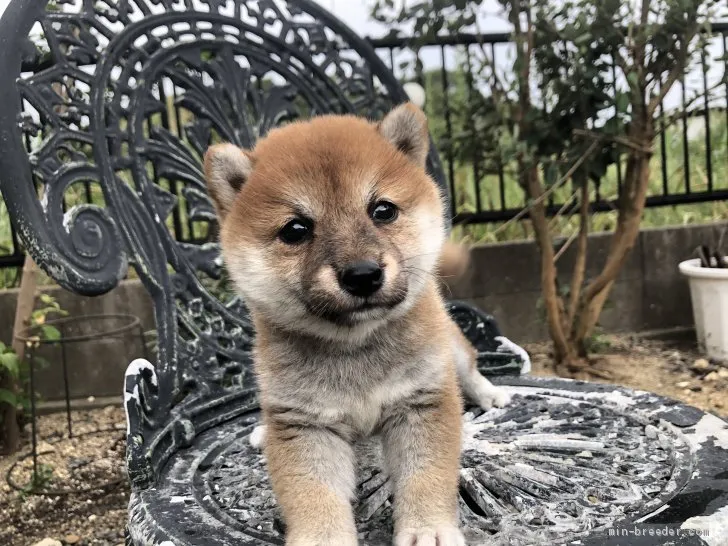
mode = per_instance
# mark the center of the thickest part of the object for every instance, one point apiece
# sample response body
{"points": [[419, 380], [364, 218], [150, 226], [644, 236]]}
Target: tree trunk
{"points": [[631, 207], [553, 303], [23, 310]]}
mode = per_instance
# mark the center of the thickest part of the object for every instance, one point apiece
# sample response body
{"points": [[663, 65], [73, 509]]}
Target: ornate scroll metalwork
{"points": [[107, 122]]}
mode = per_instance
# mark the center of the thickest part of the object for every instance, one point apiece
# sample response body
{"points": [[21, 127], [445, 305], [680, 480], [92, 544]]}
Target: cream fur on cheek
{"points": [[249, 270], [431, 238]]}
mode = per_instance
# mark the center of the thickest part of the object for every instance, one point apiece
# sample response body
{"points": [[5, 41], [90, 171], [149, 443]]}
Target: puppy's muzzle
{"points": [[362, 278]]}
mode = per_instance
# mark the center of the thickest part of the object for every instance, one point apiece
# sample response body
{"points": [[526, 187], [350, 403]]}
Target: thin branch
{"points": [[529, 41], [645, 12], [565, 246], [677, 71], [566, 205], [619, 140]]}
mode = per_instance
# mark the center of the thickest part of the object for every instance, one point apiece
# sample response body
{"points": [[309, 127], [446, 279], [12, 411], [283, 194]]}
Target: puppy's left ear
{"points": [[406, 128], [227, 168]]}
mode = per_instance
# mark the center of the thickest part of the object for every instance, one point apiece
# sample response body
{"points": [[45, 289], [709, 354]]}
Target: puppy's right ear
{"points": [[227, 168], [405, 128]]}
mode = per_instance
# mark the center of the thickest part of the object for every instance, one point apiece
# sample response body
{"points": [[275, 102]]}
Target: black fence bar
{"points": [[499, 166], [685, 136], [616, 113], [654, 201], [451, 40], [725, 56], [706, 116], [448, 125], [663, 150], [12, 260], [476, 145], [467, 38]]}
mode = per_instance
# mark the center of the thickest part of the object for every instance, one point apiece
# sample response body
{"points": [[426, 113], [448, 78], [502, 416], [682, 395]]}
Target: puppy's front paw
{"points": [[442, 535], [493, 397]]}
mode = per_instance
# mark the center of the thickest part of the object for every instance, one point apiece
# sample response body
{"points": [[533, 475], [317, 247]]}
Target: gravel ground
{"points": [[97, 517], [93, 458], [672, 369]]}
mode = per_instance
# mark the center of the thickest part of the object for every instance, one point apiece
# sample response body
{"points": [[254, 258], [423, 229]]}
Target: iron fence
{"points": [[691, 160], [495, 197]]}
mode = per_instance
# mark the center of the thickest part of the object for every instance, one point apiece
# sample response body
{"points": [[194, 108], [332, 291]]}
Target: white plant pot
{"points": [[709, 294]]}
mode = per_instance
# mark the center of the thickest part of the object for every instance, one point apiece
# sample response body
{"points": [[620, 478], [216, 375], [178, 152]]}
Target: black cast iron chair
{"points": [[112, 103]]}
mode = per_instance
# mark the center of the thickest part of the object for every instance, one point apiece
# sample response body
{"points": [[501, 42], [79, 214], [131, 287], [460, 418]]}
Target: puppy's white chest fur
{"points": [[349, 386], [366, 408]]}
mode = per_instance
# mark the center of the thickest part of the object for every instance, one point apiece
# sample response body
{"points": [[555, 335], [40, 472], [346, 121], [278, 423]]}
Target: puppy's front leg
{"points": [[312, 473], [476, 387], [421, 440]]}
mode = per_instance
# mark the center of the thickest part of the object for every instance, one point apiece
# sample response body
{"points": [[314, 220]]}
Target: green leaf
{"points": [[8, 397], [9, 361], [633, 80], [47, 299], [552, 174], [622, 103], [44, 311], [51, 333], [584, 39]]}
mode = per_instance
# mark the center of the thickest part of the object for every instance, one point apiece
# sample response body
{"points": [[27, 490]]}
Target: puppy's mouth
{"points": [[365, 311]]}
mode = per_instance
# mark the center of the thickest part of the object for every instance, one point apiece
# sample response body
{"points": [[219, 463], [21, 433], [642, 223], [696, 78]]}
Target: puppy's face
{"points": [[330, 227]]}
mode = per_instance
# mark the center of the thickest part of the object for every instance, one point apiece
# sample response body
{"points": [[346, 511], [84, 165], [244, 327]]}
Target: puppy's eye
{"points": [[296, 231], [383, 212]]}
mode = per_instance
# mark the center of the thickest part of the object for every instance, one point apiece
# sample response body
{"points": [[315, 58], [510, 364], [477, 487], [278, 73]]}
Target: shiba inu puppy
{"points": [[334, 234]]}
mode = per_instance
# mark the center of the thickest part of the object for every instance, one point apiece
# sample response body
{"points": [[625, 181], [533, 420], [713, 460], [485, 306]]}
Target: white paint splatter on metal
{"points": [[68, 219], [134, 370], [507, 346], [713, 529], [709, 427], [44, 200]]}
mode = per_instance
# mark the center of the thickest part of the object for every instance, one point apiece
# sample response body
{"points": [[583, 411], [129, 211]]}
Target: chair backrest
{"points": [[107, 109]]}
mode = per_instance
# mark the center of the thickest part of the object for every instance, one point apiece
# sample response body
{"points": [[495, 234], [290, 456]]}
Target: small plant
{"points": [[10, 365], [38, 480], [598, 343], [711, 257], [14, 393], [39, 317]]}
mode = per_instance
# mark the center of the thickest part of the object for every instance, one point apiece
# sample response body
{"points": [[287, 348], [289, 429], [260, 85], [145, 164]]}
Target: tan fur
{"points": [[333, 367]]}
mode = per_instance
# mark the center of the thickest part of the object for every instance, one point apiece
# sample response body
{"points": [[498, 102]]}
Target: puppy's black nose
{"points": [[362, 279]]}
